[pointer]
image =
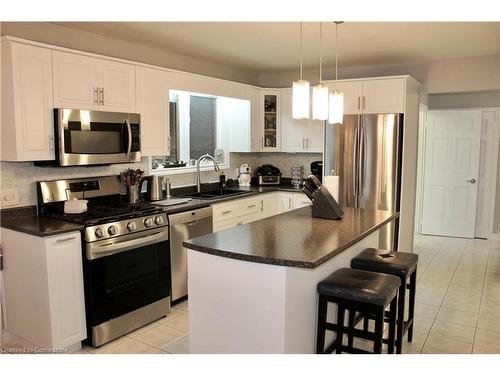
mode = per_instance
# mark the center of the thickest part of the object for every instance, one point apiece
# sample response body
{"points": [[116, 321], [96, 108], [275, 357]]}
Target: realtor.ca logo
{"points": [[35, 350]]}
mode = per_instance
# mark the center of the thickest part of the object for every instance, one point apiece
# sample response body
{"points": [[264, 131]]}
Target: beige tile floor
{"points": [[457, 305]]}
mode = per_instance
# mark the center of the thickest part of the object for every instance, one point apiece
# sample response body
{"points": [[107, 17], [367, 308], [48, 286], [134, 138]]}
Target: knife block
{"points": [[324, 206]]}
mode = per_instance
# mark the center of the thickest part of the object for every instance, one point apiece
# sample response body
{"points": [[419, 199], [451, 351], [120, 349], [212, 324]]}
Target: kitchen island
{"points": [[252, 289]]}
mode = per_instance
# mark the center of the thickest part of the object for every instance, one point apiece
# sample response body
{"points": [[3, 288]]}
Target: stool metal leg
{"points": [[411, 303], [392, 325], [365, 324], [350, 341], [379, 331], [320, 335], [401, 317], [340, 324]]}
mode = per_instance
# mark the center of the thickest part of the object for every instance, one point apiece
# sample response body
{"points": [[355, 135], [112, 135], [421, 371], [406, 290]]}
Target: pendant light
{"points": [[320, 91], [300, 92], [336, 105]]}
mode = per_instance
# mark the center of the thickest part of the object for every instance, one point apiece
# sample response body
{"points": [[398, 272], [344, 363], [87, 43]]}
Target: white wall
{"points": [[58, 35]]}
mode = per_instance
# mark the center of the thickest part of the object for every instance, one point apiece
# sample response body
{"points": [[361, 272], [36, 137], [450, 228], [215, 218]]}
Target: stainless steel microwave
{"points": [[94, 137]]}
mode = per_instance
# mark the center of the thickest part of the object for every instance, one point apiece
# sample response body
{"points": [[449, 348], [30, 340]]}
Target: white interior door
{"points": [[452, 152], [487, 173]]}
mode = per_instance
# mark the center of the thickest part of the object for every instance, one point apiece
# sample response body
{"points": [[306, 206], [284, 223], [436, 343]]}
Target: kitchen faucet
{"points": [[198, 177]]}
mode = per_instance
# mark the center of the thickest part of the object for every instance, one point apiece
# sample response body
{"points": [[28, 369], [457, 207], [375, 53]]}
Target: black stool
{"points": [[403, 265], [363, 292]]}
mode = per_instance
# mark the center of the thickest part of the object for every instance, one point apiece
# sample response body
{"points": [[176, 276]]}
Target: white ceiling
{"points": [[273, 46]]}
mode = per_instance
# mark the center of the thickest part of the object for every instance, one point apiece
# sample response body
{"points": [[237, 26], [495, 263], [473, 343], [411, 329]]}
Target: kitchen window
{"points": [[199, 124]]}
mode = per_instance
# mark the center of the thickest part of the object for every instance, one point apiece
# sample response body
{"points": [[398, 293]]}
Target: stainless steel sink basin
{"points": [[213, 194]]}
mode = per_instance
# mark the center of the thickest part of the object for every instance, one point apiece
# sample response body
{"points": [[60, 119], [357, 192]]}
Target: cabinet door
{"points": [[32, 105], [314, 136], [153, 106], [383, 96], [256, 119], [294, 132], [271, 120], [75, 81], [353, 92], [65, 282], [284, 202], [117, 84], [269, 204], [300, 200]]}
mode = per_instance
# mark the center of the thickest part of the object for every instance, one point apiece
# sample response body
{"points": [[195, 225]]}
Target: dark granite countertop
{"points": [[39, 226], [25, 219], [293, 239]]}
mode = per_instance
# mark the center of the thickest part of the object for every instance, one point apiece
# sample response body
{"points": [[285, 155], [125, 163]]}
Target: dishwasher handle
{"points": [[190, 216]]}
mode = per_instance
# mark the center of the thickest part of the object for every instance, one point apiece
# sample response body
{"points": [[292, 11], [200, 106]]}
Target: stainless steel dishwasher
{"points": [[184, 226]]}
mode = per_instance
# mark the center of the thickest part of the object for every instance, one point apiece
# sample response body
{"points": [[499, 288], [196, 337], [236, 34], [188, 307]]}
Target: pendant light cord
{"points": [[336, 51], [320, 32], [301, 51]]}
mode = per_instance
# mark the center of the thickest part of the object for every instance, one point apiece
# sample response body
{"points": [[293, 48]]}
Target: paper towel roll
{"points": [[332, 184]]}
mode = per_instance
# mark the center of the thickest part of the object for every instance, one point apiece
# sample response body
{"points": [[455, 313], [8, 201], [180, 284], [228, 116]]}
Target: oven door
{"points": [[95, 137], [126, 273]]}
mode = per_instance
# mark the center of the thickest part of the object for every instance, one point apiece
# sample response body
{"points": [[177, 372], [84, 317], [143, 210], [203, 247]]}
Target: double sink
{"points": [[214, 194]]}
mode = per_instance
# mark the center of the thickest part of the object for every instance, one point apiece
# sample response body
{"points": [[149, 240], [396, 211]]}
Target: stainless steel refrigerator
{"points": [[365, 152]]}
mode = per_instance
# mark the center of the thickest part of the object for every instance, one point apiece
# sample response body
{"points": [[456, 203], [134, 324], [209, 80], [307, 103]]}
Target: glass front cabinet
{"points": [[270, 121]]}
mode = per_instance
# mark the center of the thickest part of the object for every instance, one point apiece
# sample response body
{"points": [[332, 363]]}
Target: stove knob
{"points": [[131, 226], [158, 220], [148, 223], [112, 230], [99, 233]]}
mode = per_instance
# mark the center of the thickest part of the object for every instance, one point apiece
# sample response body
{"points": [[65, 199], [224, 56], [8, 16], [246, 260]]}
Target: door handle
{"points": [[96, 95], [472, 180], [102, 95]]}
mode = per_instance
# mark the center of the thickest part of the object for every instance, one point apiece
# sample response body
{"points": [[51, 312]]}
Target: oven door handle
{"points": [[129, 130], [99, 249]]}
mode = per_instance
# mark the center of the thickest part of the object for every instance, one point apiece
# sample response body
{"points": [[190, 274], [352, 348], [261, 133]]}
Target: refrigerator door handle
{"points": [[355, 167], [361, 162]]}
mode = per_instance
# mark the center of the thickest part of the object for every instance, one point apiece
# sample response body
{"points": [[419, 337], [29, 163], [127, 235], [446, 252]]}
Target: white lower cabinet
{"points": [[44, 298], [245, 210]]}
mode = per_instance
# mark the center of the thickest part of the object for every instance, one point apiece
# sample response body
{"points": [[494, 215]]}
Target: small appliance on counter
{"points": [[268, 174], [324, 206], [297, 175], [154, 188], [317, 169]]}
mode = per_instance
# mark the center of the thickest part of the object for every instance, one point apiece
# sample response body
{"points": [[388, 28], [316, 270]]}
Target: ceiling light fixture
{"points": [[300, 92], [336, 105], [320, 91]]}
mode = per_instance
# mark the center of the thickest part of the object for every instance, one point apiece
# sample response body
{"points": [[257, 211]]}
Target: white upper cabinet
{"points": [[84, 82], [383, 96], [299, 135], [294, 132], [153, 106], [75, 81], [353, 92], [27, 107]]}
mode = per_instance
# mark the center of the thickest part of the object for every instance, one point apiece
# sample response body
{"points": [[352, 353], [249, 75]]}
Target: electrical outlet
{"points": [[10, 197]]}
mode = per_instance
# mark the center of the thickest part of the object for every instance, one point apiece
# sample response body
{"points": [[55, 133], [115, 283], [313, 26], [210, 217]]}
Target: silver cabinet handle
{"points": [[96, 95], [252, 205], [226, 212], [262, 140], [262, 205], [51, 142], [359, 103], [472, 180], [59, 240], [364, 102], [308, 145], [240, 223], [101, 95], [289, 203], [303, 139]]}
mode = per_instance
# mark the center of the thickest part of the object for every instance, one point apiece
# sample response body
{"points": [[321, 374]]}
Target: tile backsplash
{"points": [[23, 175]]}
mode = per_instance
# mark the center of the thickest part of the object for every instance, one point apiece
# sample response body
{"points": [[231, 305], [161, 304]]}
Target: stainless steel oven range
{"points": [[126, 256]]}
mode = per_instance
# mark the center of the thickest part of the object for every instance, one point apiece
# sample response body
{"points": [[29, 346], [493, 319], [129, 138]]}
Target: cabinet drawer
{"points": [[234, 222], [237, 208]]}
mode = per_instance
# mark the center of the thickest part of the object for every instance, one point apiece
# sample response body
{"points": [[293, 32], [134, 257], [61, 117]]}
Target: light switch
{"points": [[10, 197]]}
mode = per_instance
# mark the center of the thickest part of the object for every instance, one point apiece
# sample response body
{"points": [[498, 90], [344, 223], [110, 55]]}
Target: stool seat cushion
{"points": [[394, 263], [360, 286]]}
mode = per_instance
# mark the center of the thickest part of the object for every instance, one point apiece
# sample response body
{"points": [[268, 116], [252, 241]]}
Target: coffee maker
{"points": [[317, 169]]}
